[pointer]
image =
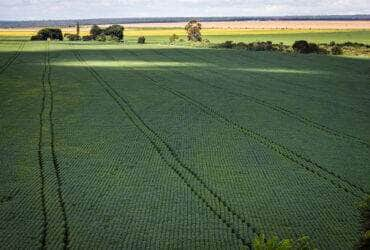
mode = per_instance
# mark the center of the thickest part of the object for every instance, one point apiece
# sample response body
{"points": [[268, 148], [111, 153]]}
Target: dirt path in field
{"points": [[267, 25]]}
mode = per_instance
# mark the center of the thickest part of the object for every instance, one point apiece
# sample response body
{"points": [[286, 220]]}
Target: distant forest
{"points": [[102, 21]]}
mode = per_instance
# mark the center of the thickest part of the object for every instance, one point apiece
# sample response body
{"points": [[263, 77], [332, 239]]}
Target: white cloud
{"points": [[64, 9]]}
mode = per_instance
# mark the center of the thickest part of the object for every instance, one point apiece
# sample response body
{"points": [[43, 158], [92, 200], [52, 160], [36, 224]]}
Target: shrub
{"points": [[141, 39], [95, 31], [48, 33], [228, 45], [274, 243], [101, 38], [365, 212], [336, 50], [301, 46], [173, 38], [304, 47], [73, 37], [36, 38], [114, 31], [332, 43], [87, 38]]}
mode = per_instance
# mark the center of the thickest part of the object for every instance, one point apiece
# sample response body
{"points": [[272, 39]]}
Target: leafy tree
{"points": [[114, 31], [193, 28], [141, 39], [95, 31], [78, 29], [48, 33]]}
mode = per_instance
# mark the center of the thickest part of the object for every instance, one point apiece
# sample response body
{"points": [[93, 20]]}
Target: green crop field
{"points": [[164, 147]]}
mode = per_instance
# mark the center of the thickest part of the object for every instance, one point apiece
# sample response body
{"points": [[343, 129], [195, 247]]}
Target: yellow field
{"points": [[134, 32]]}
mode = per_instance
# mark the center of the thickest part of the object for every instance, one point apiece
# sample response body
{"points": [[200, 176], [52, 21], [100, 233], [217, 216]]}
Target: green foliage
{"points": [[95, 31], [101, 38], [336, 50], [254, 46], [73, 37], [364, 206], [274, 243], [87, 38], [48, 33], [304, 47], [193, 29], [173, 38], [141, 39], [114, 31]]}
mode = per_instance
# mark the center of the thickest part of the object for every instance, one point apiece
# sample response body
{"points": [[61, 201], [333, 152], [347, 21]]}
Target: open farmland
{"points": [[126, 146], [321, 32]]}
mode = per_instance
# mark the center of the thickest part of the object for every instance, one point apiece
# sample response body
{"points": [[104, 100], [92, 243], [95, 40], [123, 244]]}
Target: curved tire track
{"points": [[169, 156], [306, 121], [282, 150], [12, 59]]}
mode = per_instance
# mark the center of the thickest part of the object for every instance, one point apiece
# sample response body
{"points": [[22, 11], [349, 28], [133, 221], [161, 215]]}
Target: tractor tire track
{"points": [[47, 125], [12, 59], [295, 157], [41, 161], [306, 121], [169, 156], [55, 160]]}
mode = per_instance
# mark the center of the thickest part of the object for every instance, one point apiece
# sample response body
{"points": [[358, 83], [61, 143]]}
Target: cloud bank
{"points": [[80, 9]]}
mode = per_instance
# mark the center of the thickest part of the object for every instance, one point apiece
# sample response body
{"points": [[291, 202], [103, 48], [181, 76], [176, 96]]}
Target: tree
{"points": [[78, 29], [193, 28], [48, 33], [141, 39], [95, 31], [114, 31]]}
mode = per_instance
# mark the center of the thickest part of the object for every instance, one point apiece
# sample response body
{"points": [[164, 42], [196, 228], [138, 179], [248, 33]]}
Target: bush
{"points": [[48, 33], [173, 38], [101, 38], [304, 47], [95, 31], [332, 43], [274, 243], [114, 31], [87, 38], [141, 39], [228, 45], [336, 50], [36, 38], [73, 37], [301, 46]]}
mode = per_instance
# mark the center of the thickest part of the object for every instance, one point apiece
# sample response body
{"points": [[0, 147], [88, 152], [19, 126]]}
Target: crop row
{"points": [[282, 150], [12, 59], [300, 117], [195, 183]]}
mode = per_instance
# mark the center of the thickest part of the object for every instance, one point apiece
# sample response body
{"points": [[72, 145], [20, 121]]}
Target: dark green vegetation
{"points": [[101, 34], [48, 33], [155, 147]]}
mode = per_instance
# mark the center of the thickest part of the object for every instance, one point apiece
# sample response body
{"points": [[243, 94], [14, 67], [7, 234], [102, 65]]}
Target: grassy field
{"points": [[126, 146], [218, 35]]}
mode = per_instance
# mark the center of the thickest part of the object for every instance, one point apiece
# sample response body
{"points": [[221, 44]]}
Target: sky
{"points": [[81, 9]]}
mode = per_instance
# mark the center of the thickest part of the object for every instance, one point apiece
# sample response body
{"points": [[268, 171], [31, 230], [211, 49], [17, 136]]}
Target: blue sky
{"points": [[76, 9]]}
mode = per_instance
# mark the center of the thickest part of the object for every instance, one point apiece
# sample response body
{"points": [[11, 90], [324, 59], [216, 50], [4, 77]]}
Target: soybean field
{"points": [[169, 147]]}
